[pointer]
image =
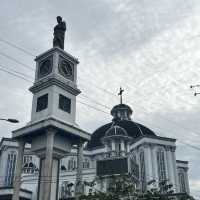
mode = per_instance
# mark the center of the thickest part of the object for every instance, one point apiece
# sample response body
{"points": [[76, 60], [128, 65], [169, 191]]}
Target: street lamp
{"points": [[10, 120]]}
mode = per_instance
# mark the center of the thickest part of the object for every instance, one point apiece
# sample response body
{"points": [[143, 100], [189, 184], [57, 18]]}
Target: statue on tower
{"points": [[59, 33]]}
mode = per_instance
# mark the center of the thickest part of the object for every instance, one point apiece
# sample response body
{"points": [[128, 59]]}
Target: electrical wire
{"points": [[13, 45], [16, 75], [83, 103], [27, 52], [17, 47], [17, 61]]}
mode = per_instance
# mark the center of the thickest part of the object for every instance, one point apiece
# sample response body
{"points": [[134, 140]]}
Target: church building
{"points": [[122, 146]]}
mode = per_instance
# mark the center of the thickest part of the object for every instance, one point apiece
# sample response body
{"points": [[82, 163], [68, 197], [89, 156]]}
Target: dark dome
{"points": [[132, 128], [116, 130], [122, 112], [121, 107]]}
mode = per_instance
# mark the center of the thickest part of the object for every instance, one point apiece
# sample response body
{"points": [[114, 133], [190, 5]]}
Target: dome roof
{"points": [[132, 128], [121, 111], [116, 130], [121, 107]]}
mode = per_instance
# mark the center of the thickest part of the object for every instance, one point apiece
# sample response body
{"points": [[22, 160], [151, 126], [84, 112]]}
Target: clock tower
{"points": [[52, 130], [55, 88]]}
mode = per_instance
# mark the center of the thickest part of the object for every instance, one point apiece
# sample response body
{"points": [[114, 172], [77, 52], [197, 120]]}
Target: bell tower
{"points": [[52, 130]]}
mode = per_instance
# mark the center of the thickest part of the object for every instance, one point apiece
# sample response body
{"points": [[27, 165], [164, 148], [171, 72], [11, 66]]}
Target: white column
{"points": [[175, 174], [152, 161], [170, 166], [49, 166], [128, 147], [122, 145], [148, 165], [18, 170], [106, 147], [155, 169], [122, 148], [187, 181], [166, 164], [79, 185], [113, 145]]}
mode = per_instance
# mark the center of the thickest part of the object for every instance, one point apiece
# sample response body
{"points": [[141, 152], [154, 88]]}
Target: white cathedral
{"points": [[118, 147]]}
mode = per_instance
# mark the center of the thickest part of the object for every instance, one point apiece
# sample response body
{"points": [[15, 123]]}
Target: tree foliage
{"points": [[124, 188]]}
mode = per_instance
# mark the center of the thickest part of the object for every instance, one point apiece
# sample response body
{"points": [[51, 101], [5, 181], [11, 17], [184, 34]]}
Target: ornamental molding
{"points": [[153, 146], [60, 52], [53, 80]]}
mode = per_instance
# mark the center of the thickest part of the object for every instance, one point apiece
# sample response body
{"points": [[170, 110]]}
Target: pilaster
{"points": [[155, 169], [173, 161], [122, 147], [18, 170], [148, 159], [170, 168], [113, 145]]}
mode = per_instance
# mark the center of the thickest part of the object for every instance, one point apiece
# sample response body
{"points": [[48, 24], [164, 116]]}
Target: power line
{"points": [[22, 49], [17, 47], [21, 77], [79, 77], [16, 75], [83, 103], [96, 102], [178, 125], [17, 61], [16, 72]]}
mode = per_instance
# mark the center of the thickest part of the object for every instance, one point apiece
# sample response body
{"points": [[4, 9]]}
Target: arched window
{"points": [[10, 168], [63, 168], [161, 165], [181, 178], [66, 190], [86, 164], [72, 164], [27, 159], [30, 168], [142, 172]]}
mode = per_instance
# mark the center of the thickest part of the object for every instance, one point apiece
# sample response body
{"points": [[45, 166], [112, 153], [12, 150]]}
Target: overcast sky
{"points": [[149, 47]]}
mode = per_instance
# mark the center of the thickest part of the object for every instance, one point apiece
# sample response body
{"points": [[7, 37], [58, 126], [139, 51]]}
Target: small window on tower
{"points": [[42, 103], [64, 103]]}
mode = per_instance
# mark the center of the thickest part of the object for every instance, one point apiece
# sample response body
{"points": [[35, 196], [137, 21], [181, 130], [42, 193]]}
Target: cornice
{"points": [[60, 51], [51, 80], [153, 145]]}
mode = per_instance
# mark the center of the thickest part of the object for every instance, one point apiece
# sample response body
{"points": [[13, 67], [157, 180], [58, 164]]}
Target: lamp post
{"points": [[10, 120]]}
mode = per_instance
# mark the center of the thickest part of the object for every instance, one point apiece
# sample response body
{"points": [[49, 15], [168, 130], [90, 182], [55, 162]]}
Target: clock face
{"points": [[45, 68], [66, 69]]}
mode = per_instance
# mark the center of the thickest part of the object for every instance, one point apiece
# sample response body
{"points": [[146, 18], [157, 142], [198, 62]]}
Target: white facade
{"points": [[156, 167]]}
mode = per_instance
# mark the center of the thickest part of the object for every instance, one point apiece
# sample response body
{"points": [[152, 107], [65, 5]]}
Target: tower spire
{"points": [[120, 94]]}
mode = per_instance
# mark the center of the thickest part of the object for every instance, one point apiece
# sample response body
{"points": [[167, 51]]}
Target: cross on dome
{"points": [[120, 94]]}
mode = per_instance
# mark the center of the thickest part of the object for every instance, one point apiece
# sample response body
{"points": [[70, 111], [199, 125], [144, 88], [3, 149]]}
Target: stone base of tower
{"points": [[50, 149], [48, 185], [51, 140]]}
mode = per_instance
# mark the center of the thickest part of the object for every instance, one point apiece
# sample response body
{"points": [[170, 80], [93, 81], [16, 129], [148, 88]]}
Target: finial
{"points": [[120, 94], [59, 33]]}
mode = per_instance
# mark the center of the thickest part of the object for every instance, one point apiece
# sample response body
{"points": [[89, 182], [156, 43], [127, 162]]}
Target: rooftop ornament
{"points": [[59, 33]]}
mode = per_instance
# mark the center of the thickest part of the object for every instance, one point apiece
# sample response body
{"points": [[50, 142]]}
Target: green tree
{"points": [[123, 187]]}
